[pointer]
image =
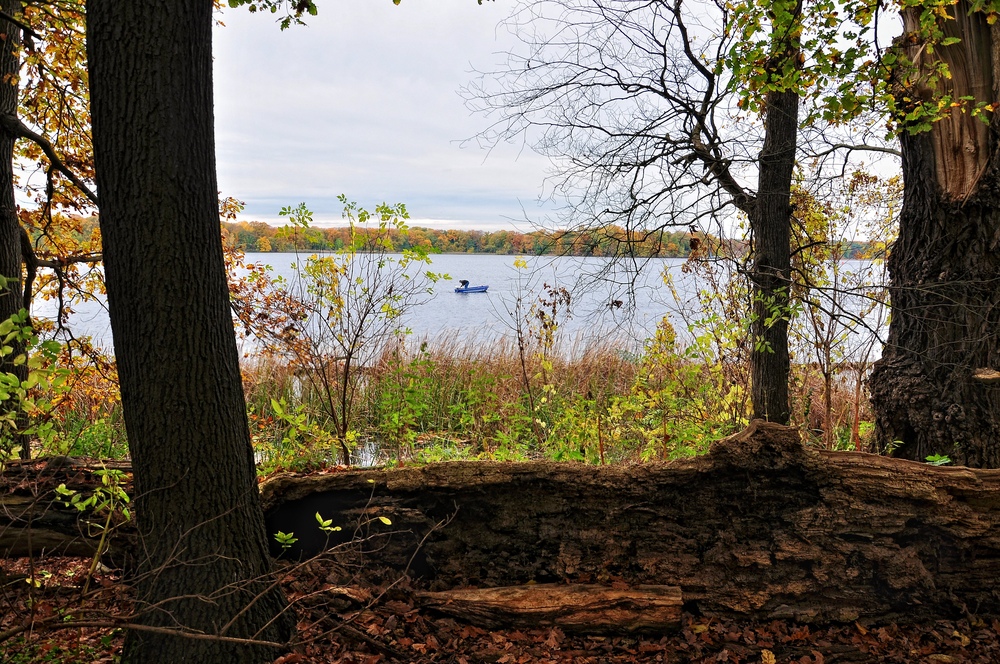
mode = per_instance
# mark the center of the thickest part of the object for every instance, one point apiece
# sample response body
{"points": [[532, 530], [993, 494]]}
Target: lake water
{"points": [[597, 285], [488, 316]]}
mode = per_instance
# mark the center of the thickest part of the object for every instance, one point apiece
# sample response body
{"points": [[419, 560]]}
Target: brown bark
{"points": [[770, 223], [590, 609], [761, 527], [945, 266], [10, 228], [772, 271], [204, 565]]}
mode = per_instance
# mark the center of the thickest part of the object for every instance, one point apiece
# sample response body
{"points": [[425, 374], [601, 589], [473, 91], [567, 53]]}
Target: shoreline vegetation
{"points": [[259, 237]]}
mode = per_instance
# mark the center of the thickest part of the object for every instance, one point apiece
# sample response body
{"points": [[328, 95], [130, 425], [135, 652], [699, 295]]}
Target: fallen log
{"points": [[761, 527], [589, 609], [35, 521]]}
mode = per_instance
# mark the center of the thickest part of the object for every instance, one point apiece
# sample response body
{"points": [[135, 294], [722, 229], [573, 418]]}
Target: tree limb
{"points": [[56, 263], [861, 148], [13, 126], [21, 24]]}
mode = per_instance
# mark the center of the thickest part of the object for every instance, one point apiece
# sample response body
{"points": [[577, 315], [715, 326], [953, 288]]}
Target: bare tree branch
{"points": [[63, 261], [14, 127]]}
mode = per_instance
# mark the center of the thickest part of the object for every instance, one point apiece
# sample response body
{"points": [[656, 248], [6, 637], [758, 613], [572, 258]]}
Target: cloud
{"points": [[364, 101]]}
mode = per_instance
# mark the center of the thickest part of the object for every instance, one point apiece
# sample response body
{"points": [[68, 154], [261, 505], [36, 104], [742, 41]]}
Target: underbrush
{"points": [[450, 400], [456, 399]]}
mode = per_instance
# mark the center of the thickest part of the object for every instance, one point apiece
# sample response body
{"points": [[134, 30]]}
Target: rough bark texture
{"points": [[586, 608], [945, 271], [760, 527], [10, 228], [772, 271], [770, 221], [204, 564]]}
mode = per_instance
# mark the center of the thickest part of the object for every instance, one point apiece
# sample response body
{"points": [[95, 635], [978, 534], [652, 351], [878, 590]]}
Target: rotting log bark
{"points": [[34, 521], [588, 608], [761, 527]]}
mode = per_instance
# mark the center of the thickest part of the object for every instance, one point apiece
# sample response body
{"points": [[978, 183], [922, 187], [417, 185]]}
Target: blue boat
{"points": [[466, 288], [471, 289]]}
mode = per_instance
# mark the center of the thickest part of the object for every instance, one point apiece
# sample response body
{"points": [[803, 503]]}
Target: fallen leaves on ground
{"points": [[351, 621]]}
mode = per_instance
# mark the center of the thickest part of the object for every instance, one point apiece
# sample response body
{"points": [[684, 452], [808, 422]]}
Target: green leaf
{"points": [[938, 460], [285, 539]]}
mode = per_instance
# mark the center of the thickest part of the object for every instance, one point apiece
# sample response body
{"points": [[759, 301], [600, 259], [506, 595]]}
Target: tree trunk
{"points": [[772, 271], [945, 269], [10, 227], [204, 566], [770, 221], [761, 527]]}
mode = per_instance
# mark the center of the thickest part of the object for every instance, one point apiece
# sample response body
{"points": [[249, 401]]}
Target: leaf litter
{"points": [[365, 621]]}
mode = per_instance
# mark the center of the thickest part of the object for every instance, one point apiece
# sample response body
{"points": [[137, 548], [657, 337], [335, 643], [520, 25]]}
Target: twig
{"points": [[354, 633], [57, 622]]}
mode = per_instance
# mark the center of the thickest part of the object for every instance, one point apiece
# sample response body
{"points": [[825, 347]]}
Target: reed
{"points": [[457, 397]]}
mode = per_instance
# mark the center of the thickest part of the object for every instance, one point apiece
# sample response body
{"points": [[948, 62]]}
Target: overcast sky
{"points": [[364, 101]]}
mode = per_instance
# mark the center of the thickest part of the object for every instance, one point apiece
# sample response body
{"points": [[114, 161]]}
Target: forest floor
{"points": [[364, 619]]}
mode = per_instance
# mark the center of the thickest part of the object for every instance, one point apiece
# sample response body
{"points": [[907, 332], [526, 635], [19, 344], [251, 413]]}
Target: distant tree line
{"points": [[257, 236]]}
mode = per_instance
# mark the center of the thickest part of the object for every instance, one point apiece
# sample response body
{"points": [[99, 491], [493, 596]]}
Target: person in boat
{"points": [[464, 283]]}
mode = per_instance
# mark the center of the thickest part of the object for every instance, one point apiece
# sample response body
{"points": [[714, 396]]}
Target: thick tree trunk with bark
{"points": [[204, 567], [761, 527], [772, 270], [931, 389]]}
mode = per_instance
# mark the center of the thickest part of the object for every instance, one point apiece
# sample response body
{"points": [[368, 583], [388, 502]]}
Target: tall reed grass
{"points": [[456, 398]]}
